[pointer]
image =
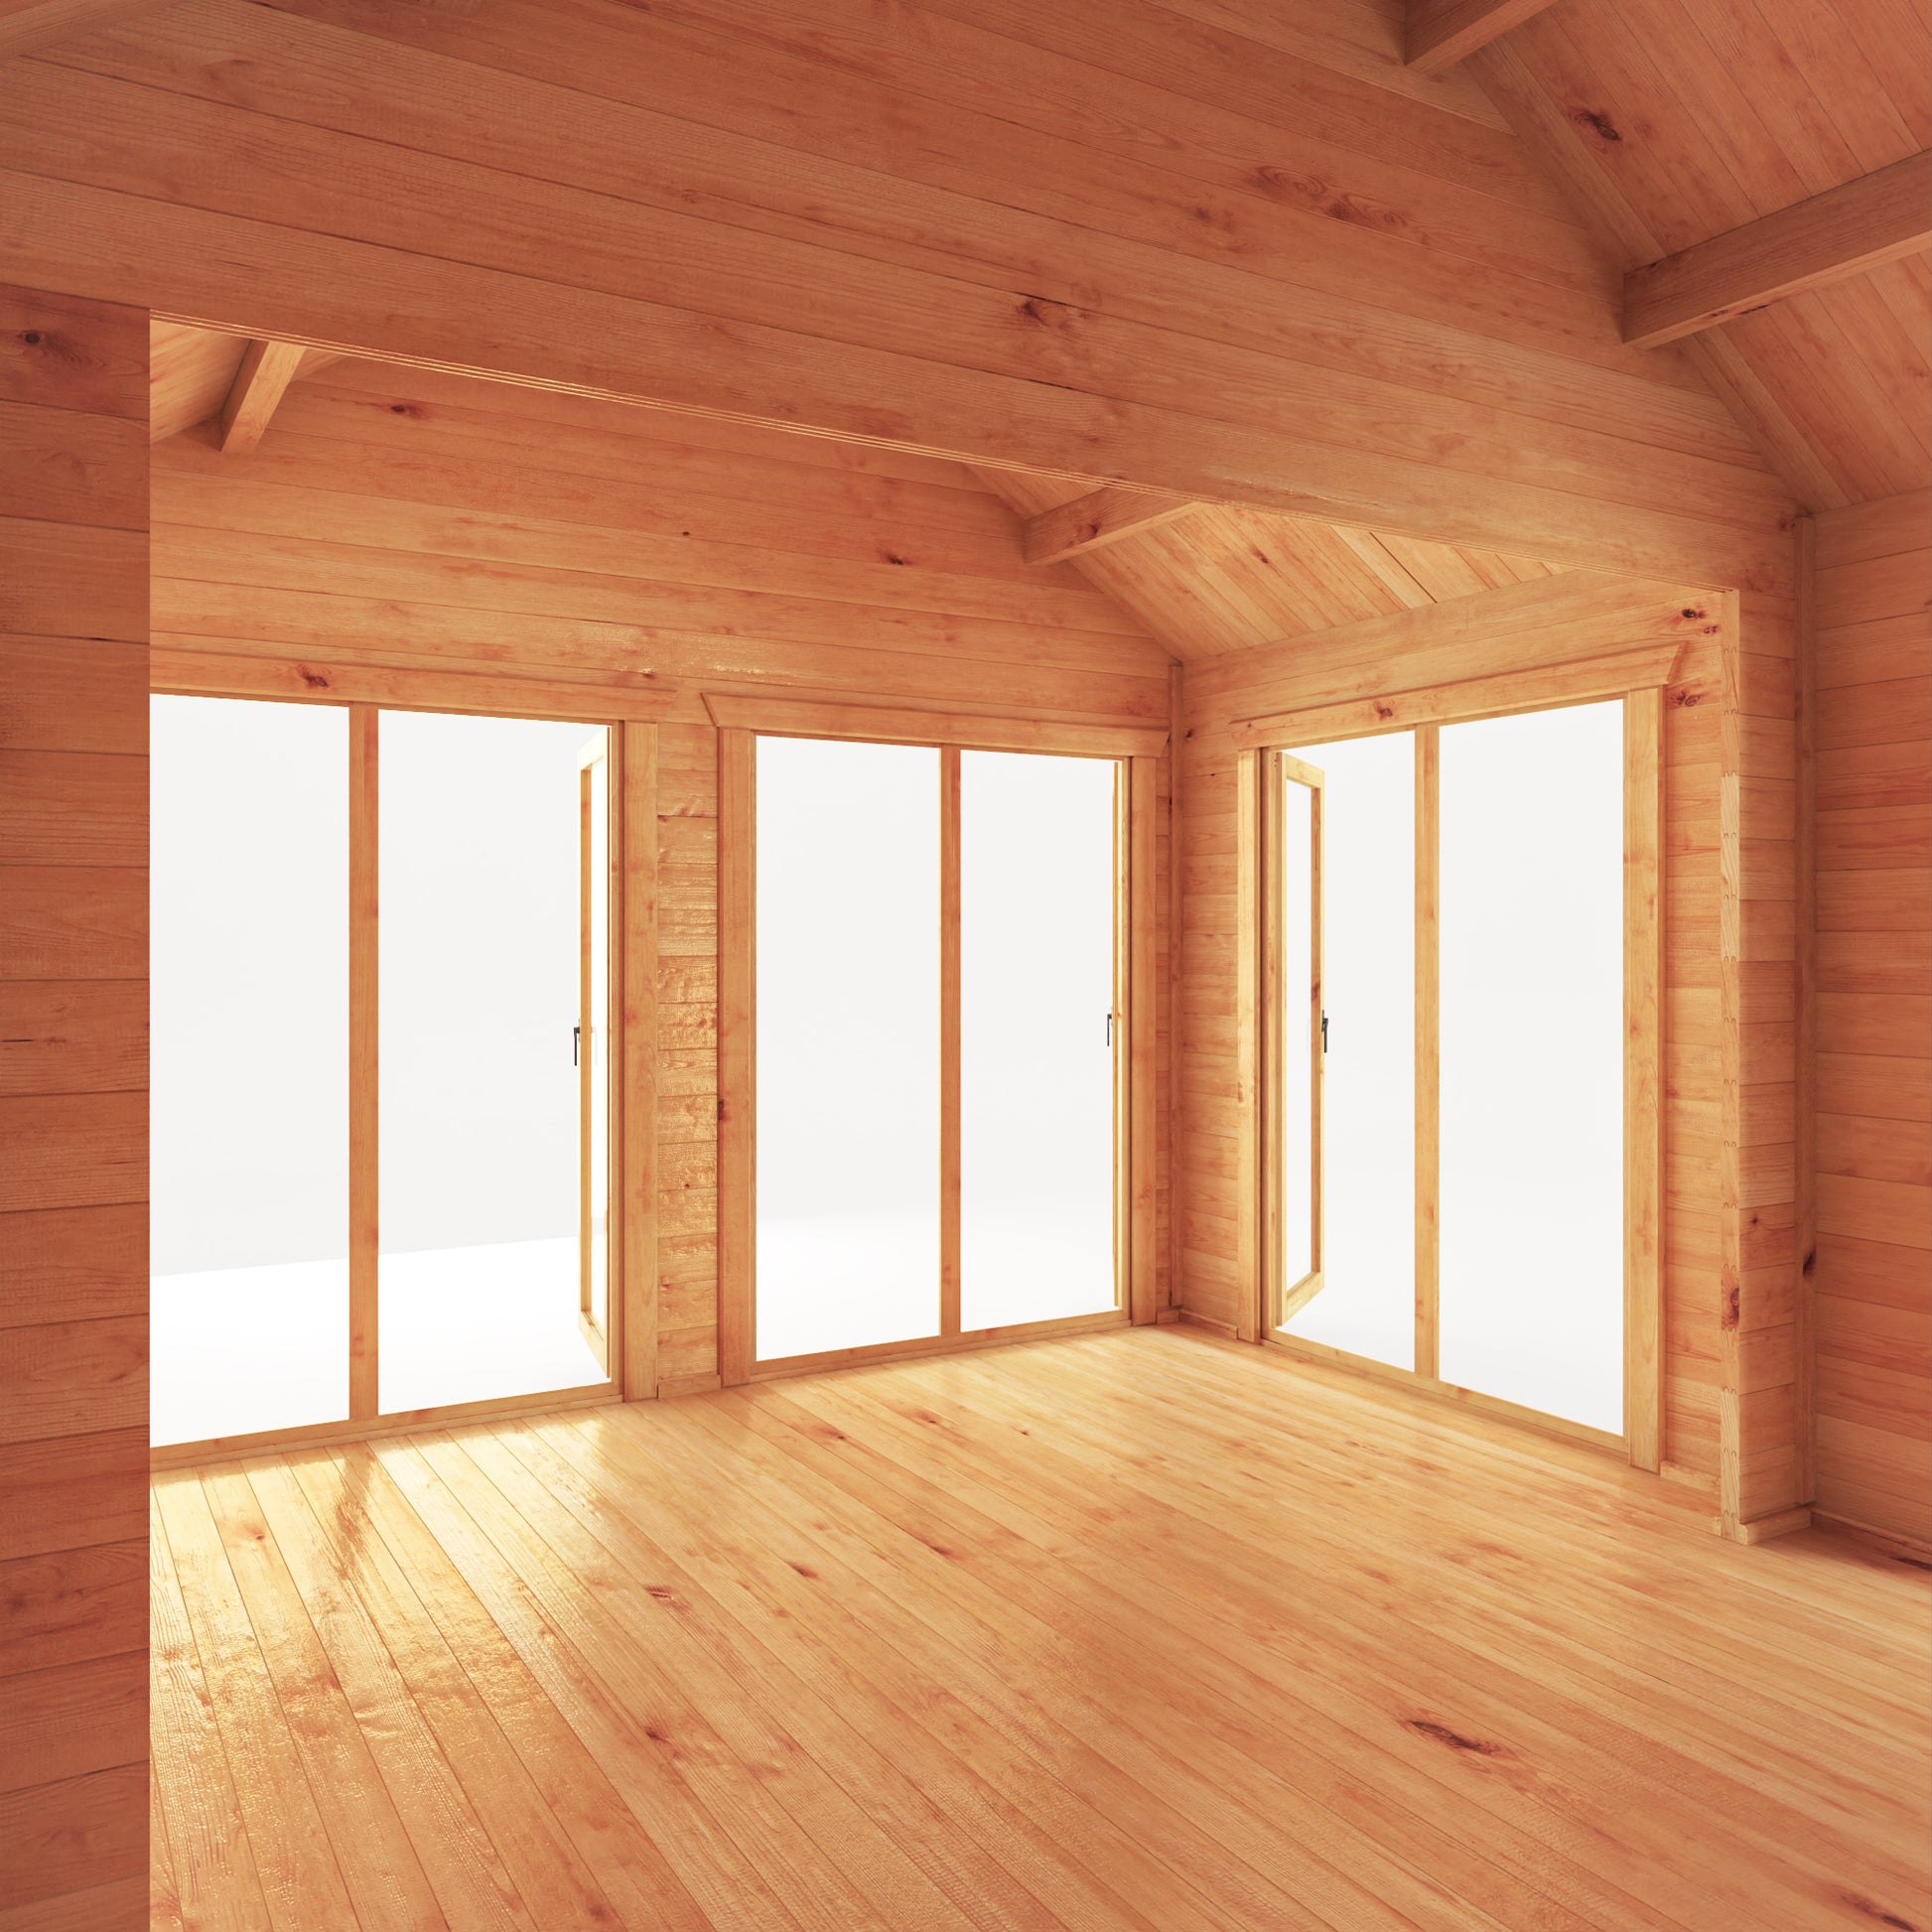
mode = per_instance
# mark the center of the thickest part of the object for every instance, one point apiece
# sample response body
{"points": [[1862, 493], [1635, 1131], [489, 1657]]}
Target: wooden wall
{"points": [[1731, 1366], [74, 1282], [400, 517], [1227, 251], [1872, 1280]]}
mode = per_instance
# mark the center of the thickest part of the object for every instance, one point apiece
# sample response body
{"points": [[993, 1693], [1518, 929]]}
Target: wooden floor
{"points": [[1132, 1630]]}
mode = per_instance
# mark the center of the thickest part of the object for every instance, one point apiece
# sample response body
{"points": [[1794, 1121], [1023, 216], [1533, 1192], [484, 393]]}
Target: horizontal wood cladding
{"points": [[73, 1106], [1873, 1276], [1149, 250], [398, 518], [1730, 1171]]}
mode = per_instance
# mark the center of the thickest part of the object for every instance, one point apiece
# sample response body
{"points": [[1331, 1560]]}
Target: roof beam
{"points": [[26, 25], [267, 368], [1842, 231], [1441, 31], [1101, 517]]}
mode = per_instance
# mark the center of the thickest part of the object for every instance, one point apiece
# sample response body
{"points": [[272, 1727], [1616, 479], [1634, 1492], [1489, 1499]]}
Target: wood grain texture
{"points": [[1442, 32], [1538, 624], [640, 1316], [1014, 1677], [1858, 225], [1677, 124], [1287, 277], [27, 25], [74, 1075], [1872, 1280], [737, 1032], [421, 540], [262, 379], [1094, 521]]}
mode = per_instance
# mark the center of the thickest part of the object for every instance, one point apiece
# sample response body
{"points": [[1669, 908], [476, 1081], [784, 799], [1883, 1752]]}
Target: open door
{"points": [[1297, 1130], [592, 1046]]}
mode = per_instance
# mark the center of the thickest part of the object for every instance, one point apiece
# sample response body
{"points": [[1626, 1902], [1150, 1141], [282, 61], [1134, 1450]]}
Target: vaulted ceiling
{"points": [[1673, 121], [1456, 234]]}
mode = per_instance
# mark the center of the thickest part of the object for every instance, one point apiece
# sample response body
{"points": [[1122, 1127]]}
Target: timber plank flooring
{"points": [[1138, 1631]]}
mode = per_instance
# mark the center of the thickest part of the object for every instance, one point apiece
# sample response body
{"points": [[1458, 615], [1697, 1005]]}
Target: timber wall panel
{"points": [[403, 518], [74, 1282], [1872, 1279], [1147, 248], [1728, 735]]}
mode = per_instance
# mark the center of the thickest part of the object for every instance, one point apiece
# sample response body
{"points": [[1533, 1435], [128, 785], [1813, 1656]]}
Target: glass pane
{"points": [[593, 1125], [249, 964], [1532, 1060], [1368, 1087], [1299, 973], [848, 1045], [1037, 1070], [479, 970]]}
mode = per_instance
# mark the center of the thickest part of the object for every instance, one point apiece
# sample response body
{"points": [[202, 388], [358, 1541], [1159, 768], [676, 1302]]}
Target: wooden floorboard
{"points": [[1133, 1631]]}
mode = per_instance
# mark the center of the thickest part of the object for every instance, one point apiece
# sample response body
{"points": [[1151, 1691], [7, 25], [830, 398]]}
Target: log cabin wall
{"points": [[74, 1224], [1872, 1279], [405, 519], [1270, 265], [1732, 1388]]}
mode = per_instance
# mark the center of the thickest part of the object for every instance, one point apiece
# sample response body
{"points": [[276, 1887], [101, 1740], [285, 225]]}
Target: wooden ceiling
{"points": [[1414, 263], [1240, 252], [1685, 119], [1216, 579]]}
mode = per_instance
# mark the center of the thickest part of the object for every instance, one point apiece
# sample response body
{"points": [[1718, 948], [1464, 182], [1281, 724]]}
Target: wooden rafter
{"points": [[1097, 519], [267, 369], [1842, 231], [26, 25], [1441, 31]]}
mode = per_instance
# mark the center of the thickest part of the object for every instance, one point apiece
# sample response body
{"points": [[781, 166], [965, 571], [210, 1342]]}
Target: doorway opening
{"points": [[1459, 1134], [381, 998]]}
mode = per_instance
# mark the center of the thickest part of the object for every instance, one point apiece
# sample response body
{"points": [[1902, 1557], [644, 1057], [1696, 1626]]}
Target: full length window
{"points": [[381, 973], [939, 1025], [1459, 1123]]}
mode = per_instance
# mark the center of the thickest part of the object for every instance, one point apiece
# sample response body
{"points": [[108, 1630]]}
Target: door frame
{"points": [[1635, 679], [1136, 751], [632, 720]]}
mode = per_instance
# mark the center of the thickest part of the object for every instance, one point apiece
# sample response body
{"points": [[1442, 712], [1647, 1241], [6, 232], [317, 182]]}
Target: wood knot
{"points": [[1049, 315], [1877, 1913], [1454, 1739], [31, 337], [1599, 125]]}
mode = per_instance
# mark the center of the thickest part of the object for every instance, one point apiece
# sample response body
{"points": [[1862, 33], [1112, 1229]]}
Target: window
{"points": [[1458, 1128], [381, 1045], [934, 955]]}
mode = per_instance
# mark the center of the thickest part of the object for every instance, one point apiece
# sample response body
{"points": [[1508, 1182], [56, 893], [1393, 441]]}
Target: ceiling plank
{"points": [[26, 25], [1100, 517], [1441, 31], [267, 369], [1842, 231]]}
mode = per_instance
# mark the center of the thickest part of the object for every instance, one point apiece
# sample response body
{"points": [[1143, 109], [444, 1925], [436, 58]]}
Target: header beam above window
{"points": [[813, 717], [397, 687], [1545, 687]]}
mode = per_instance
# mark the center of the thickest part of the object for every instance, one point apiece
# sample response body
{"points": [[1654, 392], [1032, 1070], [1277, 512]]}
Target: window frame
{"points": [[1635, 680], [1135, 752], [630, 720]]}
